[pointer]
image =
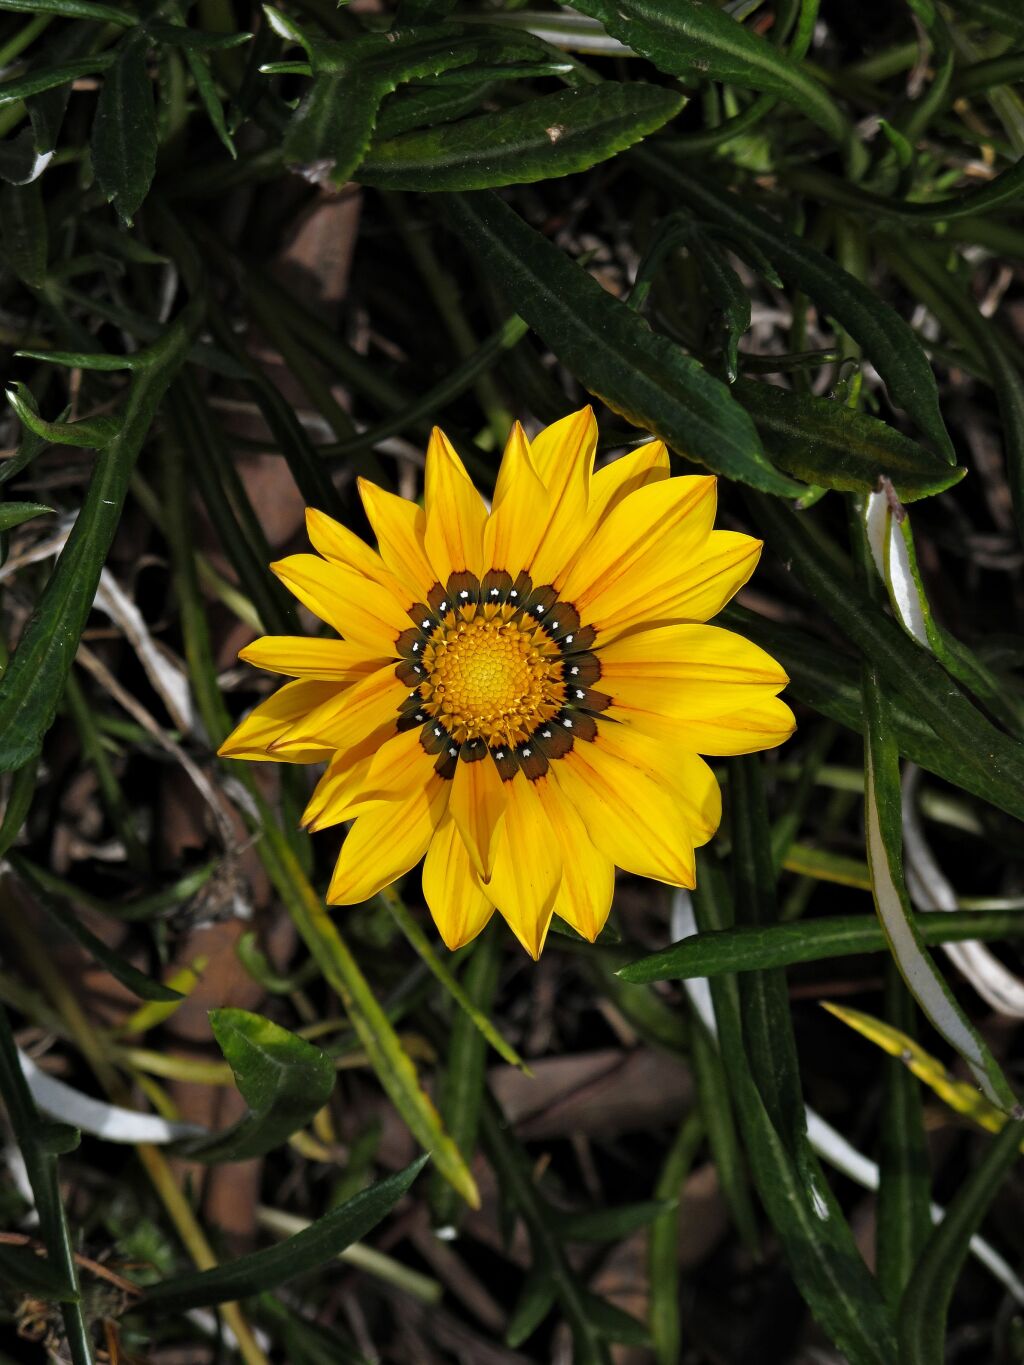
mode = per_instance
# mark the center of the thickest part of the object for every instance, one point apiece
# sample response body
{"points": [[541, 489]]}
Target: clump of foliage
{"points": [[249, 253]]}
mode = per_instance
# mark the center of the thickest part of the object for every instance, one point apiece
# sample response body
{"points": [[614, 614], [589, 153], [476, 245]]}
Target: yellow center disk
{"points": [[491, 678]]}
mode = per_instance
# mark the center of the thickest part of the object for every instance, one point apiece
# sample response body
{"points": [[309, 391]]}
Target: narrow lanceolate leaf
{"points": [[751, 947], [24, 234], [75, 9], [124, 134], [904, 1183], [610, 349], [390, 1061], [699, 42], [883, 825], [15, 513], [31, 688], [50, 77], [826, 443], [118, 966], [888, 341], [1002, 16], [815, 1237], [284, 1080], [961, 1096], [315, 1246], [549, 136], [925, 1303], [331, 129], [91, 433]]}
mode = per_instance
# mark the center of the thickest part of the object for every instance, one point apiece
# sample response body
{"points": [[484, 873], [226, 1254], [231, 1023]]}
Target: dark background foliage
{"points": [[251, 253]]}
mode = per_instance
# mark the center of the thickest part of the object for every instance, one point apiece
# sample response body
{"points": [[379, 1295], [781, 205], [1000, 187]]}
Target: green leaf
{"points": [[552, 135], [177, 35], [119, 967], [612, 1223], [884, 833], [535, 1301], [754, 947], [614, 1323], [124, 132], [23, 1272], [20, 162], [699, 42], [23, 225], [827, 679], [74, 9], [15, 513], [31, 688], [421, 106], [663, 1244], [20, 792], [610, 349], [907, 669], [40, 1164], [91, 433], [50, 77], [889, 342], [925, 1304], [330, 131], [822, 1256], [206, 88], [1002, 16], [824, 442], [284, 1080], [306, 1251], [904, 1187]]}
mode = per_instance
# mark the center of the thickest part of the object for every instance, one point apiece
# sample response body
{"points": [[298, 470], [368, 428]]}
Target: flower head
{"points": [[520, 695]]}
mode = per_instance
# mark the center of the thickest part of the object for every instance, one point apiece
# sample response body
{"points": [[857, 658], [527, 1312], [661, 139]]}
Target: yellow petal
{"points": [[761, 725], [588, 876], [301, 656], [636, 469], [672, 768], [455, 513], [477, 804], [333, 794], [362, 711], [359, 609], [703, 587], [527, 870], [342, 546], [636, 821], [269, 720], [563, 455], [688, 671], [648, 537], [520, 511], [451, 888], [386, 842], [399, 526], [366, 775]]}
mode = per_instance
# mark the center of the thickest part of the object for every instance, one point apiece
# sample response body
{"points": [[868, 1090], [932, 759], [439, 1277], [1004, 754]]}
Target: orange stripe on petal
{"points": [[272, 718], [477, 803], [350, 718], [342, 546], [645, 539], [762, 725], [588, 876], [358, 608], [399, 526], [451, 888], [520, 510], [300, 656], [385, 842], [635, 821], [527, 869], [455, 512]]}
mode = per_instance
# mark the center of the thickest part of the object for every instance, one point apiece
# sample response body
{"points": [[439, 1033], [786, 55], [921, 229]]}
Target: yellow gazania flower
{"points": [[521, 696]]}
